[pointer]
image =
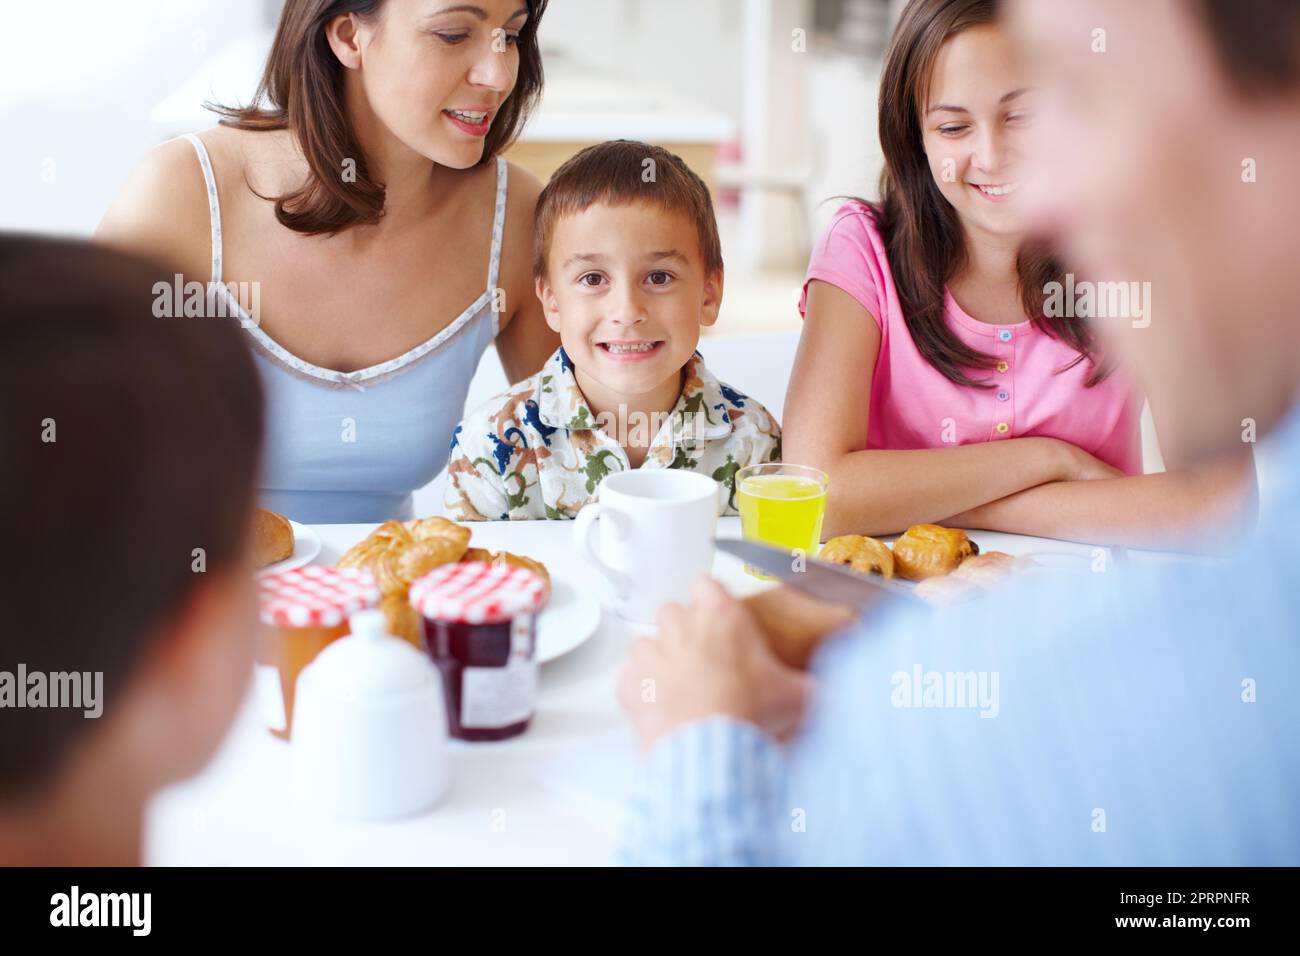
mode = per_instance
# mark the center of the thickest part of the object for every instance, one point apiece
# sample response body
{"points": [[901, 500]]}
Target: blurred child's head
{"points": [[128, 453], [628, 264]]}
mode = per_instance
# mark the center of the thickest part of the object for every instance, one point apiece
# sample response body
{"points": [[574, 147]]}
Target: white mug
{"points": [[655, 528]]}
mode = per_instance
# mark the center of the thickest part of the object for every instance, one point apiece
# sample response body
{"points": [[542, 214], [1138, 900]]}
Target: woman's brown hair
{"points": [[301, 90], [922, 234]]}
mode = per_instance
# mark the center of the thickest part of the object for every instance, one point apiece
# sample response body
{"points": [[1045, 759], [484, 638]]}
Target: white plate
{"points": [[569, 618], [306, 545]]}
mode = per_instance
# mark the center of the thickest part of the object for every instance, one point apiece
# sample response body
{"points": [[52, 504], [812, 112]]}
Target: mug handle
{"points": [[582, 530]]}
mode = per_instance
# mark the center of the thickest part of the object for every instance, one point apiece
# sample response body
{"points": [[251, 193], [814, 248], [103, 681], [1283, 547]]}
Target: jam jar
{"points": [[480, 629], [305, 610]]}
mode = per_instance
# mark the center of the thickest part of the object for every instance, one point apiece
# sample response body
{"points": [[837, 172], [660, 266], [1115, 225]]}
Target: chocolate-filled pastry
{"points": [[987, 570], [862, 554], [927, 551], [272, 537], [948, 589]]}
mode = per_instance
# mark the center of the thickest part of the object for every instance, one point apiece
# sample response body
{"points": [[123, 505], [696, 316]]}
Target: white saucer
{"points": [[568, 620]]}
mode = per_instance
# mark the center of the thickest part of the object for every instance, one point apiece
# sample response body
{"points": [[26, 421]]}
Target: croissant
{"points": [[396, 553], [864, 555], [424, 529], [403, 620], [927, 551], [369, 549]]}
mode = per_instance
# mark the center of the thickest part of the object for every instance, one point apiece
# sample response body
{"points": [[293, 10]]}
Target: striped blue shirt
{"points": [[1146, 715]]}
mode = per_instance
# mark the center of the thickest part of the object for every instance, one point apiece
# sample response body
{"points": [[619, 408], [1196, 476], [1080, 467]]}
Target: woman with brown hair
{"points": [[966, 387], [363, 200]]}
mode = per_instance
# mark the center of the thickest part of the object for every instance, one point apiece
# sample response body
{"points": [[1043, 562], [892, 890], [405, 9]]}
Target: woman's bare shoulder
{"points": [[161, 210], [522, 192], [517, 242]]}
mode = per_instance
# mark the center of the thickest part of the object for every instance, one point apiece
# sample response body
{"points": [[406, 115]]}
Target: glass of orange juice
{"points": [[782, 505]]}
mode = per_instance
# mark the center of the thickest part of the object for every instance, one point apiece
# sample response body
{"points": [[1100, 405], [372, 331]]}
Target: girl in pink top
{"points": [[948, 404]]}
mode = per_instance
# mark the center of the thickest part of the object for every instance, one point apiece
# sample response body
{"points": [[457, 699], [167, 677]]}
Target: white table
{"points": [[554, 795]]}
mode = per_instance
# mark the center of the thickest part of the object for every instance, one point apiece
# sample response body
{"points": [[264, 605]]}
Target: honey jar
{"points": [[304, 611]]}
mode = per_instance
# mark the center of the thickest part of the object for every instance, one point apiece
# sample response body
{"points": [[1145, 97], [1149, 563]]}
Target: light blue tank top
{"points": [[353, 446]]}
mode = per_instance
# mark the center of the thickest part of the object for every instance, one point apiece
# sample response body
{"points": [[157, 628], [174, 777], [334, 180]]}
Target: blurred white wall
{"points": [[688, 47], [77, 81], [81, 76]]}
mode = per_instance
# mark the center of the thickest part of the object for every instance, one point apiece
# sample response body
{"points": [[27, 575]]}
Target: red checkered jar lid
{"points": [[474, 592], [316, 597]]}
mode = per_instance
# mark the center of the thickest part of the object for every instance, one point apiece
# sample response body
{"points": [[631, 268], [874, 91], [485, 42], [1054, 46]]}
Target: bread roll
{"points": [[272, 537]]}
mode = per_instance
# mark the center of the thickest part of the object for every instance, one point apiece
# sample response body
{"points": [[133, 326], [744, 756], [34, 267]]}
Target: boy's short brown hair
{"points": [[619, 172]]}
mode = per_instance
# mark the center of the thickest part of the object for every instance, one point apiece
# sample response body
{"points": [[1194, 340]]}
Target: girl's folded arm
{"points": [[1192, 510], [873, 492]]}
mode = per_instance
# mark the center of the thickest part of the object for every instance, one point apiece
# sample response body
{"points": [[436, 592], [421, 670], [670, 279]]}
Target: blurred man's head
{"points": [[1168, 147], [128, 451]]}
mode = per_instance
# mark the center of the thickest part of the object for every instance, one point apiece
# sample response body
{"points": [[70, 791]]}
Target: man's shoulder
{"points": [[1059, 702]]}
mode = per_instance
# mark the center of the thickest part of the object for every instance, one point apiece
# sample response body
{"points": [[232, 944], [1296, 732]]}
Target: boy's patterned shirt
{"points": [[537, 451]]}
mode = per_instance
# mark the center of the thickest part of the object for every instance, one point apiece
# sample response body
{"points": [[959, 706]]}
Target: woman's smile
{"points": [[475, 122]]}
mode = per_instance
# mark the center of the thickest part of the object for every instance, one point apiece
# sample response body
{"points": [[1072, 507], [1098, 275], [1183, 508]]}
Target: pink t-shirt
{"points": [[913, 405]]}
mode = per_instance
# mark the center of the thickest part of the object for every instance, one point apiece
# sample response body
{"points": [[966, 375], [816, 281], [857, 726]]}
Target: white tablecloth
{"points": [[553, 795]]}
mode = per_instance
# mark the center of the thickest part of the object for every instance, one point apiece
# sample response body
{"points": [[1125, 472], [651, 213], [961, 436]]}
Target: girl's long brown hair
{"points": [[922, 234], [301, 90]]}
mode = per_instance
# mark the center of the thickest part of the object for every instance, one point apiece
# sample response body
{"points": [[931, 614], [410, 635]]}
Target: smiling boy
{"points": [[628, 267]]}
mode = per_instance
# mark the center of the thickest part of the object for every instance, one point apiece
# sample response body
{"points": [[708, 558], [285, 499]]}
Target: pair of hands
{"points": [[723, 657]]}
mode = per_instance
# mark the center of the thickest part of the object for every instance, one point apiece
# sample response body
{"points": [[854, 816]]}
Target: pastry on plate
{"points": [[987, 570], [948, 589], [928, 551], [397, 552], [862, 554], [403, 620], [425, 529], [272, 537], [389, 536], [974, 576]]}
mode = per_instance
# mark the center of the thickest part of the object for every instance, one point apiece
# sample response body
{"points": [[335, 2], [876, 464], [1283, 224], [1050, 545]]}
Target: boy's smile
{"points": [[626, 288]]}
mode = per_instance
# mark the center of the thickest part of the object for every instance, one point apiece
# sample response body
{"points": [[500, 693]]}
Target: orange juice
{"points": [[782, 506]]}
